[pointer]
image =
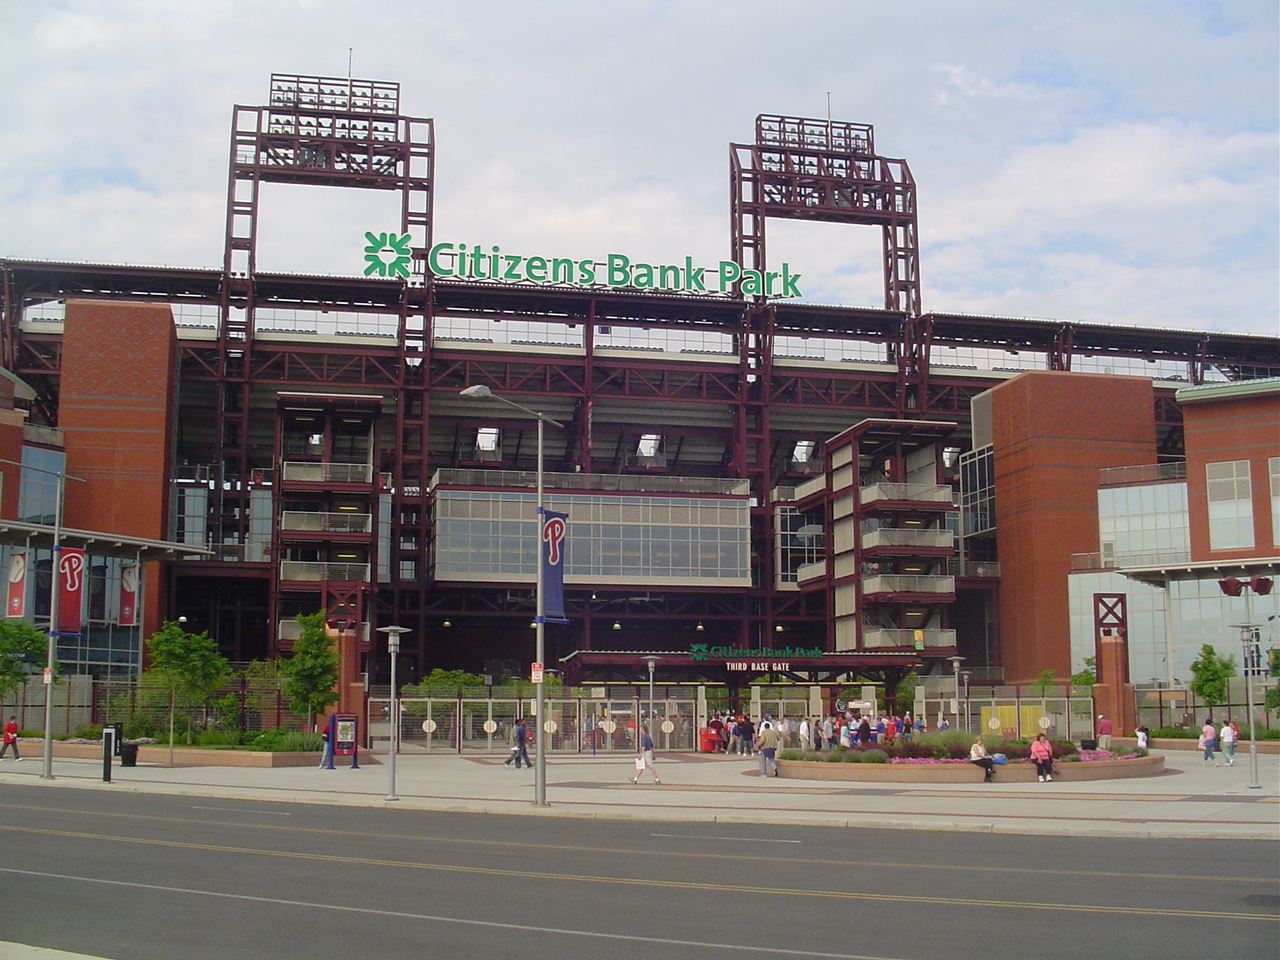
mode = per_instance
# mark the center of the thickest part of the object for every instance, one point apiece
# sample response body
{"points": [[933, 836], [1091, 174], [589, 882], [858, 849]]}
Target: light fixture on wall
{"points": [[778, 628], [447, 623], [699, 627], [617, 625]]}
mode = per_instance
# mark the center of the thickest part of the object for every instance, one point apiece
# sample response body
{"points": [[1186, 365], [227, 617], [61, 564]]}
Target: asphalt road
{"points": [[142, 876]]}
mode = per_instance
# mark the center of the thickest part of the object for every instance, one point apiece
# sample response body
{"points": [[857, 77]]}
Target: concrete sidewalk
{"points": [[1188, 800]]}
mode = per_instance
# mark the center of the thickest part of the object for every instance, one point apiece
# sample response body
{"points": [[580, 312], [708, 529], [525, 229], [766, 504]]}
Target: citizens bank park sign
{"points": [[389, 255]]}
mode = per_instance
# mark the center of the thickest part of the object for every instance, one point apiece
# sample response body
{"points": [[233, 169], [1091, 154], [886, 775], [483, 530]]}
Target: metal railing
{"points": [[1143, 473], [340, 522], [907, 583], [917, 492], [907, 537], [299, 471], [316, 571], [898, 637]]}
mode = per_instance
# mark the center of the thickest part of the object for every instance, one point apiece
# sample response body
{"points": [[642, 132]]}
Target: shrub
{"points": [[281, 740], [833, 756], [851, 756], [874, 756]]}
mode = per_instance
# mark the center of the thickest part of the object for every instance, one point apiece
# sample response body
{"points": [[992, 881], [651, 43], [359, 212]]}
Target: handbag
{"points": [[639, 764], [998, 758]]}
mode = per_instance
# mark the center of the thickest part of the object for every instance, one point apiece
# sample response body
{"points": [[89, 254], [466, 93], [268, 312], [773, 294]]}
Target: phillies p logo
{"points": [[553, 531]]}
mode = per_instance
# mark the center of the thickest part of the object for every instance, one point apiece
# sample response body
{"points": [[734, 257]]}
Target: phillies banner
{"points": [[554, 529], [128, 595], [17, 602], [71, 571]]}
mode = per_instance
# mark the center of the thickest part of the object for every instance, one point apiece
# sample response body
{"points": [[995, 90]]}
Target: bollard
{"points": [[108, 751]]}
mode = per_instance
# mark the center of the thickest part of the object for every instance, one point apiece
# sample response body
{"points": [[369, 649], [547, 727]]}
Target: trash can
{"points": [[128, 754], [1088, 744], [709, 740]]}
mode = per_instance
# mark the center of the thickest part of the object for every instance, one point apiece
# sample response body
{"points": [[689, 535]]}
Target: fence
{"points": [[1181, 708], [243, 706], [72, 704], [474, 725], [1059, 717]]}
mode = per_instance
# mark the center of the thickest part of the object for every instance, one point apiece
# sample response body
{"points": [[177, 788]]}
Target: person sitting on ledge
{"points": [[978, 756]]}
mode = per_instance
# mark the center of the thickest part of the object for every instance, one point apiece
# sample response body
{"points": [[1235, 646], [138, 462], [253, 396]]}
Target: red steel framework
{"points": [[350, 133]]}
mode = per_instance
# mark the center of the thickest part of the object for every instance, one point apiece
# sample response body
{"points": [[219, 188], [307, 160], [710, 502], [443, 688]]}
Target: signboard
{"points": [[554, 528], [389, 254], [344, 734], [128, 595], [536, 676], [71, 570], [16, 606]]}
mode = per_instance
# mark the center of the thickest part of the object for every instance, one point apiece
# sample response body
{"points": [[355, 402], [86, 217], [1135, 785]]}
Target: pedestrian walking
{"points": [[978, 756], [522, 744], [746, 736], [1042, 756], [644, 755], [1209, 742], [768, 744], [10, 739], [1227, 741], [806, 736]]}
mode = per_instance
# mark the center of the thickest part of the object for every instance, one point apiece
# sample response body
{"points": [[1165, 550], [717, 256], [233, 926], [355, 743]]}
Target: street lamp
{"points": [[393, 647], [955, 663], [480, 392], [653, 662], [1232, 587], [52, 657]]}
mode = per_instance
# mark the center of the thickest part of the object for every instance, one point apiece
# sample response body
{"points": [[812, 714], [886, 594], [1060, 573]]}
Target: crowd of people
{"points": [[730, 733]]}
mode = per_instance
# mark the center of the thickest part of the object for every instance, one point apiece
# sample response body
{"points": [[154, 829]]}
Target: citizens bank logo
{"points": [[698, 651], [387, 254]]}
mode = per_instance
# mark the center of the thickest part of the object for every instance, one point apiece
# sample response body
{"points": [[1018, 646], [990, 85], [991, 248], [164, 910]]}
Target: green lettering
{"points": [[586, 271], [752, 283], [433, 260], [475, 269], [561, 271], [513, 267], [619, 274], [729, 274], [789, 288], [669, 277], [768, 283], [643, 275], [535, 268], [693, 275]]}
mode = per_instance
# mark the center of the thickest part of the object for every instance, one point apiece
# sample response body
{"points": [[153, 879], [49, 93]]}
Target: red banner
{"points": [[128, 595], [71, 574], [16, 605]]}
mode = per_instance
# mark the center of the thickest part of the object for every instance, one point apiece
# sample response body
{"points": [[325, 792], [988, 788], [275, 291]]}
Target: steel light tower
{"points": [[481, 392], [955, 663]]}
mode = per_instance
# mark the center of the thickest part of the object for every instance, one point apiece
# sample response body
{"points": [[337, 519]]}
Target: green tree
{"points": [[1273, 667], [186, 665], [23, 648], [311, 672], [440, 682], [1088, 674], [1044, 682], [1209, 675]]}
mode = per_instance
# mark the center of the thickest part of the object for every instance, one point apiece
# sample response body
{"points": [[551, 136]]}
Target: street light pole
{"points": [[480, 392], [955, 663], [653, 662], [1232, 587], [393, 648]]}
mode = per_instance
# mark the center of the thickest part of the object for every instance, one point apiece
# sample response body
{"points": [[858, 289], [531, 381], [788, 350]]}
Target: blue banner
{"points": [[554, 529]]}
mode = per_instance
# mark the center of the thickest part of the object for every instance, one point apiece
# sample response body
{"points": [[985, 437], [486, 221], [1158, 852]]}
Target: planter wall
{"points": [[186, 756], [1149, 766]]}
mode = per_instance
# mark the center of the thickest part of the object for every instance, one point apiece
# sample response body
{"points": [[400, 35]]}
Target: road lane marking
{"points": [[431, 918], [647, 852], [260, 813], [665, 884], [691, 836]]}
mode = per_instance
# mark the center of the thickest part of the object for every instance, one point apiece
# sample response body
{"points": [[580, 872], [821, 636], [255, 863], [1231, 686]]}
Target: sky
{"points": [[1092, 162]]}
